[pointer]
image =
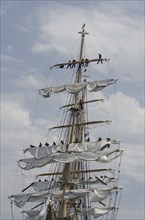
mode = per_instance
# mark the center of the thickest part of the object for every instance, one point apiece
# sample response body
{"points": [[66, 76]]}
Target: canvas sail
{"points": [[77, 87]]}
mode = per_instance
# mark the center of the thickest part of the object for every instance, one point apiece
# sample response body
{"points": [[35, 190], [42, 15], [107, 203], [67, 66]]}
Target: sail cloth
{"points": [[77, 87], [39, 214], [45, 185], [34, 215], [96, 195], [31, 213], [100, 156], [91, 146], [100, 194], [21, 199], [97, 212], [40, 186], [41, 152]]}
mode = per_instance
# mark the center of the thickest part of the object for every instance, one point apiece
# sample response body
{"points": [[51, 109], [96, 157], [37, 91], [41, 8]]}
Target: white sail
{"points": [[96, 195], [40, 186], [21, 199], [31, 213], [103, 157], [36, 214], [41, 152], [77, 87], [98, 212], [47, 184]]}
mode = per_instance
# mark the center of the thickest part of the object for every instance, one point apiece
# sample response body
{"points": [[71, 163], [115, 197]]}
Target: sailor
{"points": [[69, 65], [54, 143], [100, 58], [108, 145], [79, 203], [61, 66], [76, 141], [81, 104], [99, 139], [61, 142], [88, 139], [32, 145], [82, 62], [73, 64], [46, 144], [86, 62], [40, 145]]}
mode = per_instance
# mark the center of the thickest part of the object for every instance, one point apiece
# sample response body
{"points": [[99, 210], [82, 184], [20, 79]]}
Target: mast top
{"points": [[83, 31]]}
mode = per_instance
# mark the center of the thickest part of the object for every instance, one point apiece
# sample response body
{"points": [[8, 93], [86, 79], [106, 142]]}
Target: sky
{"points": [[36, 35]]}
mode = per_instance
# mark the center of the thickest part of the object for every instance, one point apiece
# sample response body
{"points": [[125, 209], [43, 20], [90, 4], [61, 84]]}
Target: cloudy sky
{"points": [[37, 34]]}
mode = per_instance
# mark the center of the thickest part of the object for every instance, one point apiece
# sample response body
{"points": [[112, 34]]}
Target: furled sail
{"points": [[41, 152], [96, 195], [98, 212], [100, 156], [77, 87], [34, 214], [21, 199], [46, 185], [40, 186], [39, 214]]}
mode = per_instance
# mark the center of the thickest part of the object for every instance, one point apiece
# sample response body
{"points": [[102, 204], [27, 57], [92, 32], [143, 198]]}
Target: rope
{"points": [[118, 203], [119, 167], [12, 210], [45, 80], [115, 118]]}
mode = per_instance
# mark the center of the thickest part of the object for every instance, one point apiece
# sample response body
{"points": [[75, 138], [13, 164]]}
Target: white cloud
{"points": [[125, 112], [9, 48], [22, 28], [112, 30], [7, 58], [2, 12], [129, 114], [28, 81], [13, 116]]}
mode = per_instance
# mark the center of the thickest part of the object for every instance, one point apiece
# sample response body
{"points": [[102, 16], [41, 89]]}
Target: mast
{"points": [[74, 113]]}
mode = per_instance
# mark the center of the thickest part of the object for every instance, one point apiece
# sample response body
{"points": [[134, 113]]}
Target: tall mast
{"points": [[81, 53], [66, 170], [78, 77]]}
